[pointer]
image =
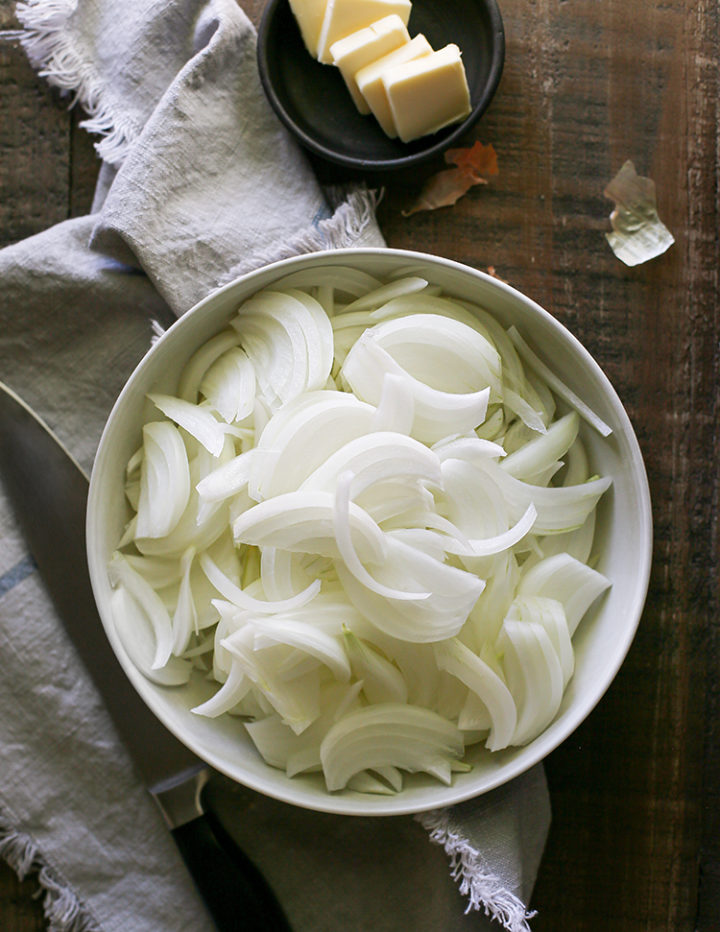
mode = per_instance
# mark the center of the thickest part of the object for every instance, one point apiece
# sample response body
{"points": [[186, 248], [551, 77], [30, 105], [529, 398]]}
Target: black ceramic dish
{"points": [[312, 101]]}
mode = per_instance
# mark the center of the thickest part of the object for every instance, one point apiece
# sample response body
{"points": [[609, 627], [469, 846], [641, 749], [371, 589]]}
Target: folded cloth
{"points": [[199, 183]]}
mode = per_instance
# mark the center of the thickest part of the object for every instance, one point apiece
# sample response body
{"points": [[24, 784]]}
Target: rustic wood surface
{"points": [[634, 842]]}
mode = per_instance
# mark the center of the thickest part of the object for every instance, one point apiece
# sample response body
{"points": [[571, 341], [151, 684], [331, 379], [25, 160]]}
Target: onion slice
{"points": [[437, 412], [227, 588], [164, 480], [346, 548], [533, 674], [197, 420], [390, 734], [486, 684], [558, 385], [566, 579], [304, 522]]}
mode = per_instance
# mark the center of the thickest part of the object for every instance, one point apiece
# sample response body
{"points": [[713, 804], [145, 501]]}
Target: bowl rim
{"points": [[547, 741], [309, 142]]}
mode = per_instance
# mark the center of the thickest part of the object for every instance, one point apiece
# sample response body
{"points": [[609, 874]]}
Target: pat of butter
{"points": [[370, 84], [428, 93], [364, 46], [309, 15], [343, 17]]}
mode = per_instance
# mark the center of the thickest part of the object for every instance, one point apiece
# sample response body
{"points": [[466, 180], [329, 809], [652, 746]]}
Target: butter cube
{"points": [[427, 93], [364, 46], [309, 15], [343, 17], [370, 84]]}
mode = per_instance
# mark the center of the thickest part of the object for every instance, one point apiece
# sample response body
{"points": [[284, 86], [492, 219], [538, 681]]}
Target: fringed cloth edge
{"points": [[468, 868], [47, 42], [62, 908]]}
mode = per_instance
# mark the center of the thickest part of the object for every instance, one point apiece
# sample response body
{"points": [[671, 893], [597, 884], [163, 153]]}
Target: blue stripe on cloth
{"points": [[16, 574]]}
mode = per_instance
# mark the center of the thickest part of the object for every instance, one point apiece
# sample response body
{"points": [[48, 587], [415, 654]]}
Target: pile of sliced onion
{"points": [[366, 518]]}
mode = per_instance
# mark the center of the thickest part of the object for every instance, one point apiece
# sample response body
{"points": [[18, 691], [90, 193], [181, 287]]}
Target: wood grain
{"points": [[635, 790]]}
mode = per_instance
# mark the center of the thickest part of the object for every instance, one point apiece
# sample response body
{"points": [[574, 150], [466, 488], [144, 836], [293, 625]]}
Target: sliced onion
{"points": [[229, 385], [164, 480], [551, 615], [381, 680], [558, 385], [396, 406], [301, 436], [298, 753], [395, 289], [440, 351], [467, 448], [150, 604], [185, 616], [437, 412], [376, 457], [227, 479], [318, 333], [306, 637], [343, 279], [490, 688], [279, 572], [442, 615], [389, 734], [139, 641], [524, 410], [559, 508], [490, 546], [227, 588], [346, 548], [566, 579], [533, 674], [473, 501], [196, 528], [544, 450], [305, 522], [158, 571], [197, 420], [201, 360], [236, 686], [289, 340], [297, 701]]}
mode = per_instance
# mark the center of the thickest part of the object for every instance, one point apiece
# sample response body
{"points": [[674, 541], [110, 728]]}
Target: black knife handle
{"points": [[236, 894]]}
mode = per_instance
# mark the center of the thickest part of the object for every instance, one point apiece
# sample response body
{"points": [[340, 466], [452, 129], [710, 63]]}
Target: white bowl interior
{"points": [[623, 535]]}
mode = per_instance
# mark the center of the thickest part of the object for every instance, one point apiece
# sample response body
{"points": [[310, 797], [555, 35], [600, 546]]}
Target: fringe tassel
{"points": [[354, 210], [62, 908], [47, 40], [157, 331], [349, 221], [483, 889]]}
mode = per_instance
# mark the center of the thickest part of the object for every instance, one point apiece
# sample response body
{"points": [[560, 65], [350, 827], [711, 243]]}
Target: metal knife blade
{"points": [[48, 491]]}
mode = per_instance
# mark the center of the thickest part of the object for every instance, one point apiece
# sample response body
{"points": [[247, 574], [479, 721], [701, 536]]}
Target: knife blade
{"points": [[48, 491]]}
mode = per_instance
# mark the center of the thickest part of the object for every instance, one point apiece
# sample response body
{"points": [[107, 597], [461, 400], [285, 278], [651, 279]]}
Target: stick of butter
{"points": [[427, 93], [343, 17], [370, 84], [309, 15], [364, 46]]}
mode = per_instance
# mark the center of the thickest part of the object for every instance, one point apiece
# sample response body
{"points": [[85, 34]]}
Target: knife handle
{"points": [[235, 892]]}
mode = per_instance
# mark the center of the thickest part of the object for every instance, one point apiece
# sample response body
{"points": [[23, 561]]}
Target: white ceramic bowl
{"points": [[623, 536]]}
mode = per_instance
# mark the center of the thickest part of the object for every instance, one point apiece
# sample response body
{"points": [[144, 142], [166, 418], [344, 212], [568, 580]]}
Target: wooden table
{"points": [[635, 839]]}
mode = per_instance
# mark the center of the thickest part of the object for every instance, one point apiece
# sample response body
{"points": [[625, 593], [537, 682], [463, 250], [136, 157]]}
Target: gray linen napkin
{"points": [[199, 183]]}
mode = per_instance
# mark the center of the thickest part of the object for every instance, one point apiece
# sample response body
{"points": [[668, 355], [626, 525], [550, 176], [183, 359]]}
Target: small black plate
{"points": [[312, 101]]}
